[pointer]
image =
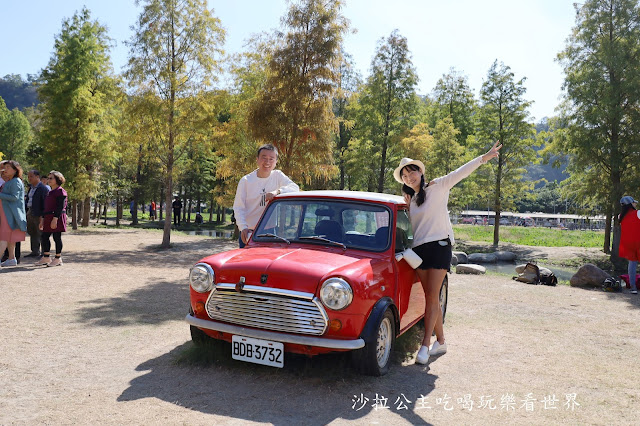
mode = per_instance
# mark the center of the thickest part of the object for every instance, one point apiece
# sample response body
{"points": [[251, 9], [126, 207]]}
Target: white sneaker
{"points": [[438, 349], [423, 355], [10, 262]]}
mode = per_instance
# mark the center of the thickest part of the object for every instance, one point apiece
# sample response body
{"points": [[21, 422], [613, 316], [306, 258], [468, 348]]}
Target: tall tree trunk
{"points": [[166, 235], [80, 212], [497, 205], [184, 204], [96, 210], [118, 208], [211, 209], [161, 203], [383, 165], [87, 212], [607, 233], [105, 213], [74, 214]]}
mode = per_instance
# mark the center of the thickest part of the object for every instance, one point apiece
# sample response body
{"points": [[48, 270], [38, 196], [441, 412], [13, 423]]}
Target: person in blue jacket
{"points": [[13, 218]]}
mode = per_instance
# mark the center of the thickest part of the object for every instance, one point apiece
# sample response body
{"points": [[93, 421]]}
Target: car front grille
{"points": [[269, 309]]}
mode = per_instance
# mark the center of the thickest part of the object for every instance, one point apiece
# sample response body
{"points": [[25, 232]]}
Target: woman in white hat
{"points": [[433, 236]]}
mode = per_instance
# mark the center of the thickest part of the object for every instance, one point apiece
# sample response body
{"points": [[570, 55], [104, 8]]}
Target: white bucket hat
{"points": [[406, 162]]}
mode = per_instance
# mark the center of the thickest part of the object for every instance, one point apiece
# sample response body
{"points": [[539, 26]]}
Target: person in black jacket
{"points": [[35, 207], [177, 207]]}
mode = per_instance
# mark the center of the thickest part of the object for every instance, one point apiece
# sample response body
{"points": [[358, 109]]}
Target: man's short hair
{"points": [[268, 147], [35, 172]]}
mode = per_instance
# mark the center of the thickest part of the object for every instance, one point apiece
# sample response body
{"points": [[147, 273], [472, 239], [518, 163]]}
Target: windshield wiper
{"points": [[326, 240], [275, 236]]}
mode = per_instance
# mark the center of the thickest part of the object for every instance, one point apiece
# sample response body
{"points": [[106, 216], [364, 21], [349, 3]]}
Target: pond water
{"points": [[563, 274], [213, 233]]}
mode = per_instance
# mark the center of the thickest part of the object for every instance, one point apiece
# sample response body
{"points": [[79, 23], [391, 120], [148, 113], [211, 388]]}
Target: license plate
{"points": [[257, 351]]}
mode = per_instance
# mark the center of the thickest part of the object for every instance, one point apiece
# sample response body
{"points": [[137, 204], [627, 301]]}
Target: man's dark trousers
{"points": [[33, 229]]}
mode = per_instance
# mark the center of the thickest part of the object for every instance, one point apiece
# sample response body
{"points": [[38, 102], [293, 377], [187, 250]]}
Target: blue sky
{"points": [[465, 34]]}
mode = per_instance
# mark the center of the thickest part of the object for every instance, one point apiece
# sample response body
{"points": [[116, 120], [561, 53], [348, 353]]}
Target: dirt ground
{"points": [[103, 340]]}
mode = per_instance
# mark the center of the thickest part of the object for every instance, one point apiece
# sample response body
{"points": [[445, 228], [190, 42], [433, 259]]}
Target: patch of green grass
{"points": [[542, 237]]}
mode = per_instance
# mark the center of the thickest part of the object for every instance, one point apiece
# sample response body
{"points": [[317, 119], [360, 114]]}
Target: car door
{"points": [[410, 299]]}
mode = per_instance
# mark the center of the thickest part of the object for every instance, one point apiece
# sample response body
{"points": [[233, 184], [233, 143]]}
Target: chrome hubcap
{"points": [[383, 350]]}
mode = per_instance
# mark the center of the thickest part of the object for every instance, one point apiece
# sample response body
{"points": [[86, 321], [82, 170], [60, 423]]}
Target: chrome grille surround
{"points": [[268, 308]]}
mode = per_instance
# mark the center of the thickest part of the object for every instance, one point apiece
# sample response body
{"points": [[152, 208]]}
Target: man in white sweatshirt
{"points": [[257, 188]]}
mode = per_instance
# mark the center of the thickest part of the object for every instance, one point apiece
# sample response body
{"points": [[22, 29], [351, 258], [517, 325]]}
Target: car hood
{"points": [[297, 269]]}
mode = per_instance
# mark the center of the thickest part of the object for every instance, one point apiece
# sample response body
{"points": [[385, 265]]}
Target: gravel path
{"points": [[101, 339]]}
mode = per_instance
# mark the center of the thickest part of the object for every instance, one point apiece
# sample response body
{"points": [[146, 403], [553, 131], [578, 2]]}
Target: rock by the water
{"points": [[462, 256], [505, 256], [588, 275], [482, 258], [470, 268]]}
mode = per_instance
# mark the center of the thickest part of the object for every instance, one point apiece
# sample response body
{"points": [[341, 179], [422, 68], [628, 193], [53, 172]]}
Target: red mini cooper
{"points": [[319, 275]]}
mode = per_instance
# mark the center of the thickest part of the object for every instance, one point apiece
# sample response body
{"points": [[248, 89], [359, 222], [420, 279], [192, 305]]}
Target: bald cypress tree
{"points": [[602, 102], [77, 89], [294, 107]]}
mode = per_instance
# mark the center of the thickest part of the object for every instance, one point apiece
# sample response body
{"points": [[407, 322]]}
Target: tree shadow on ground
{"points": [[311, 391], [182, 254], [156, 303]]}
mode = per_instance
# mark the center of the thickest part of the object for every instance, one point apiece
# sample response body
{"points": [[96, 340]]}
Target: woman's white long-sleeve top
{"points": [[430, 221]]}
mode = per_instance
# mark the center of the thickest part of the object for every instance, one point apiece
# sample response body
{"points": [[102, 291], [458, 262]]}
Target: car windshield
{"points": [[347, 224]]}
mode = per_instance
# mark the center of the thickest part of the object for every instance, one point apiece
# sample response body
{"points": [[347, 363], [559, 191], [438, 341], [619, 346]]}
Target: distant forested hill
{"points": [[18, 93], [545, 171]]}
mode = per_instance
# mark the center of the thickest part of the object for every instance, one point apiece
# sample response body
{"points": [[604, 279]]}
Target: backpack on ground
{"points": [[611, 284], [548, 278], [530, 274]]}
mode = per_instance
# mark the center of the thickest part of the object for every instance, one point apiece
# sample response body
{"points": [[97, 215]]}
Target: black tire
{"points": [[375, 358], [199, 337], [444, 296]]}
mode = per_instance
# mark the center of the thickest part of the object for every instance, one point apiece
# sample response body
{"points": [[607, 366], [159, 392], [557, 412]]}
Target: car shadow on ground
{"points": [[314, 390]]}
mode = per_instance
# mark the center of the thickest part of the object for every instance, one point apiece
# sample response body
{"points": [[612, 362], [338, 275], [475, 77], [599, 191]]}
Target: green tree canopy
{"points": [[602, 105], [503, 117], [294, 108], [388, 106], [454, 98], [77, 131], [174, 58]]}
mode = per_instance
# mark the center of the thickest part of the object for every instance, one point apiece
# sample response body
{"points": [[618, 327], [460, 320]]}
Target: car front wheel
{"points": [[444, 296], [375, 358]]}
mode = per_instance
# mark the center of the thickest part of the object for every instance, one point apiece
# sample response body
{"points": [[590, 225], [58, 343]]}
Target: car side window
{"points": [[404, 233]]}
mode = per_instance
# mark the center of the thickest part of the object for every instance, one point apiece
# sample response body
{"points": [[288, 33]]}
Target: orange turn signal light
{"points": [[335, 325], [199, 309]]}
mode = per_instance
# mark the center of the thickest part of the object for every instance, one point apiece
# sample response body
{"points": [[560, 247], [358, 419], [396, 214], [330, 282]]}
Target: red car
{"points": [[319, 275]]}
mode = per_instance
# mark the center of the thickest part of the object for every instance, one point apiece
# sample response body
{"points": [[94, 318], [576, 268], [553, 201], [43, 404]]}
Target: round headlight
{"points": [[336, 294], [201, 278]]}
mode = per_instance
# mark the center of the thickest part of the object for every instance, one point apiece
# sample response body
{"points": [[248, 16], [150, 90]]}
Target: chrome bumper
{"points": [[275, 336]]}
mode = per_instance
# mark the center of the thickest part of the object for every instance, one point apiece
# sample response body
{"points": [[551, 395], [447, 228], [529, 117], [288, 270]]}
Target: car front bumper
{"points": [[275, 336]]}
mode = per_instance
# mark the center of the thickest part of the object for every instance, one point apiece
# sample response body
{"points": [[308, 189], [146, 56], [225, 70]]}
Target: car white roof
{"points": [[355, 195]]}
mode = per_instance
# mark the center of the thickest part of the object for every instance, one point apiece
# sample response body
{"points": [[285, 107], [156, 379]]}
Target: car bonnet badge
{"points": [[240, 285], [263, 278]]}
